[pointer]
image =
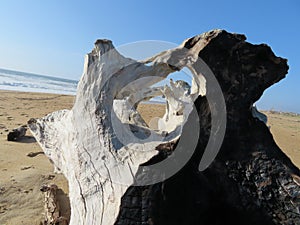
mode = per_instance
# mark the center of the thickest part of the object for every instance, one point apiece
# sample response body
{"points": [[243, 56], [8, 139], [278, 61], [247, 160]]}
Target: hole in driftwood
{"points": [[167, 99]]}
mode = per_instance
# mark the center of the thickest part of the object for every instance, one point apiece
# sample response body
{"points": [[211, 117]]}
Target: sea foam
{"points": [[28, 82]]}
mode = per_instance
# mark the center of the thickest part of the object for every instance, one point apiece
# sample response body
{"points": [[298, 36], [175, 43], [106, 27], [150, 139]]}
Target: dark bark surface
{"points": [[251, 181], [16, 134]]}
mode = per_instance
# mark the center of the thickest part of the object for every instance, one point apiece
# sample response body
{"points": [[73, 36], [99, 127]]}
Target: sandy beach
{"points": [[24, 167], [21, 201]]}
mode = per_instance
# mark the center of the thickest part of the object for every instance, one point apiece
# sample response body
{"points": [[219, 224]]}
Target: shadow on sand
{"points": [[26, 139], [64, 203]]}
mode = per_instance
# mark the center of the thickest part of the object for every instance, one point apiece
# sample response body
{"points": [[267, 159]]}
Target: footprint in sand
{"points": [[27, 191], [3, 208], [24, 114], [27, 167], [2, 190], [34, 154]]}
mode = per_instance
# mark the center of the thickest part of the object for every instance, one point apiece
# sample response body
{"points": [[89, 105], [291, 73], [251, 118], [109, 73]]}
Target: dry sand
{"points": [[21, 177], [285, 128]]}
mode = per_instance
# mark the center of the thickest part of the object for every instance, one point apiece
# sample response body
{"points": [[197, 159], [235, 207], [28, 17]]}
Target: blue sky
{"points": [[51, 37]]}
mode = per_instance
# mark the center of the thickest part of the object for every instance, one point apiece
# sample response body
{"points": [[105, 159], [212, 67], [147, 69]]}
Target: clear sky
{"points": [[51, 37]]}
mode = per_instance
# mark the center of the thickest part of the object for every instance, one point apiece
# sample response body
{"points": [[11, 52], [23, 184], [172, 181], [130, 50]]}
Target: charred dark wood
{"points": [[251, 181], [16, 134]]}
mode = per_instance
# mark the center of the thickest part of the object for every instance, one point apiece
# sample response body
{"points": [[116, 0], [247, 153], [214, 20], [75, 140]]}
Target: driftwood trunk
{"points": [[181, 171]]}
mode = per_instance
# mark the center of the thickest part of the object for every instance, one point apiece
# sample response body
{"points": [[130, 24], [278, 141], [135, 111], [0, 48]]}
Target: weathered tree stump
{"points": [[109, 155]]}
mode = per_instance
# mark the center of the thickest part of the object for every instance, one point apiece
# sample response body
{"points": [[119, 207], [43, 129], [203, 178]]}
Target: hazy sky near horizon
{"points": [[52, 37]]}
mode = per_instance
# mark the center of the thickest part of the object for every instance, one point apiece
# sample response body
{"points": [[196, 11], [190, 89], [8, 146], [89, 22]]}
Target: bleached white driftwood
{"points": [[97, 144]]}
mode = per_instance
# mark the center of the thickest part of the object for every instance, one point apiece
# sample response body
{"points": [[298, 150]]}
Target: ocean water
{"points": [[28, 82]]}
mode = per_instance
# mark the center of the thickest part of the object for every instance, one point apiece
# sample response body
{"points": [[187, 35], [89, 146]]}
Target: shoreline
{"points": [[35, 92], [268, 111], [64, 94]]}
